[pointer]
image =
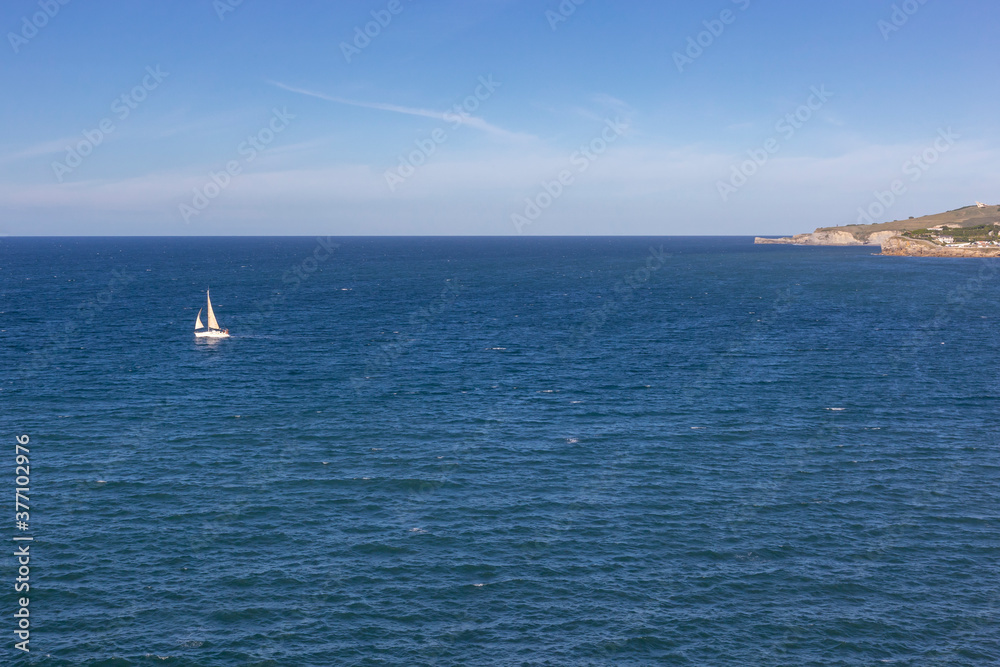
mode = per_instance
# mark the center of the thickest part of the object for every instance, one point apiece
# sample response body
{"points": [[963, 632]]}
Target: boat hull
{"points": [[211, 334]]}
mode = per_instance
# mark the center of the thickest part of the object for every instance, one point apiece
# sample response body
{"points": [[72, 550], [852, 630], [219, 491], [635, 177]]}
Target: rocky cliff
{"points": [[900, 246], [816, 238], [831, 237], [878, 233]]}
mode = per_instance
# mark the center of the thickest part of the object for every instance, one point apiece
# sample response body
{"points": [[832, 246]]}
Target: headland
{"points": [[972, 231]]}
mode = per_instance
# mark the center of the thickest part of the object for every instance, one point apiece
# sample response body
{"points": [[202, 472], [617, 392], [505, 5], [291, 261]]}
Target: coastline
{"points": [[896, 240], [899, 246], [840, 237], [893, 246]]}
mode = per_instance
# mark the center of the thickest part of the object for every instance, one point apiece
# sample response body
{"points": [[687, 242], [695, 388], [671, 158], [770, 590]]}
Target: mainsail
{"points": [[213, 330], [212, 322]]}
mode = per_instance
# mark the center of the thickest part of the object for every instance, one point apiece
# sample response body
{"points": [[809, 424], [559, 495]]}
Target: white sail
{"points": [[213, 330], [212, 322]]}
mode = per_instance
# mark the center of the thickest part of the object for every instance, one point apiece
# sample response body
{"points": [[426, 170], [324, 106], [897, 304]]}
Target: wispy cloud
{"points": [[44, 148], [602, 105], [611, 102], [652, 189], [450, 117]]}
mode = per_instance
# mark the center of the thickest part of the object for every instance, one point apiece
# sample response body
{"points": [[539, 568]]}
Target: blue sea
{"points": [[501, 451]]}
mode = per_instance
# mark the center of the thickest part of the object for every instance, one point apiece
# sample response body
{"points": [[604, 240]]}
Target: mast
{"points": [[212, 322]]}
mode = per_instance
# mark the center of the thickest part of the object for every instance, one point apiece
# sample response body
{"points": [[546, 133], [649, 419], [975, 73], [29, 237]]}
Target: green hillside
{"points": [[970, 216]]}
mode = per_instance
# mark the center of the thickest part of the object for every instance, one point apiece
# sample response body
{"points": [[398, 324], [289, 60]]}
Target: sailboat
{"points": [[213, 330]]}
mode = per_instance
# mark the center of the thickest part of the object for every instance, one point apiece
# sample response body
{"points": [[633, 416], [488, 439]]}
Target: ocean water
{"points": [[530, 451]]}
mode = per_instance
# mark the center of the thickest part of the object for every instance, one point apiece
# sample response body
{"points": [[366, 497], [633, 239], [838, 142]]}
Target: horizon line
{"points": [[372, 236]]}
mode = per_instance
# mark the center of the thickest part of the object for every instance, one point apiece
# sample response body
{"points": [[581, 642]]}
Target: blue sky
{"points": [[509, 116]]}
